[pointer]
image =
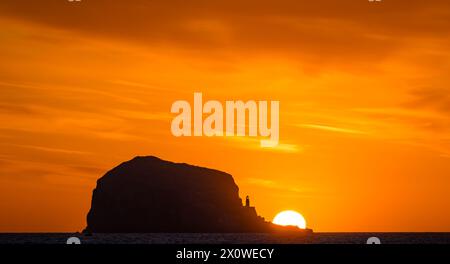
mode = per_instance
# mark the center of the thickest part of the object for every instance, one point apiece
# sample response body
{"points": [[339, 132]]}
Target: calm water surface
{"points": [[252, 238]]}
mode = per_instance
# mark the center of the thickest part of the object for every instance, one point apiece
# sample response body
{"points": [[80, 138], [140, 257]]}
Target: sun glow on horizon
{"points": [[290, 218]]}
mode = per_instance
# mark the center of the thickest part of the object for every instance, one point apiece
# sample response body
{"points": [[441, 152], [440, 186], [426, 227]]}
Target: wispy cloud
{"points": [[254, 143], [332, 128], [14, 109], [274, 185], [141, 87], [50, 149], [144, 115]]}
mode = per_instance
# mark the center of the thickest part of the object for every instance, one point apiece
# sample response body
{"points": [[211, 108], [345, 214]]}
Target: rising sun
{"points": [[290, 218]]}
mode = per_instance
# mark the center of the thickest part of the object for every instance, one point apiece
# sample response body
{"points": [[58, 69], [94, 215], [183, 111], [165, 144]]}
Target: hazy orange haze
{"points": [[363, 88]]}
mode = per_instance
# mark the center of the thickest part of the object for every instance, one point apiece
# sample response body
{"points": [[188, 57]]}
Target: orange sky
{"points": [[363, 88]]}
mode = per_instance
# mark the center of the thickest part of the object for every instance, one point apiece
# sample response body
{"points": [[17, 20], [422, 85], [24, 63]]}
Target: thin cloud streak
{"points": [[331, 128], [49, 149]]}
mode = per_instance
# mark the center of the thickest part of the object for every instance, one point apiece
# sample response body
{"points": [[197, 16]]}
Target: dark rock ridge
{"points": [[150, 195]]}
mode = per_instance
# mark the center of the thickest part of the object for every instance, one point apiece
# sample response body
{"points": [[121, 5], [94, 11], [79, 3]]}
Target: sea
{"points": [[227, 238]]}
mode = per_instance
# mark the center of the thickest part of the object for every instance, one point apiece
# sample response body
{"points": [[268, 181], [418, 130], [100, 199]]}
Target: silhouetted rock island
{"points": [[150, 195]]}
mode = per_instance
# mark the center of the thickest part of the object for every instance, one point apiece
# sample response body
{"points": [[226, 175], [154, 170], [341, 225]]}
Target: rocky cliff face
{"points": [[147, 194]]}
